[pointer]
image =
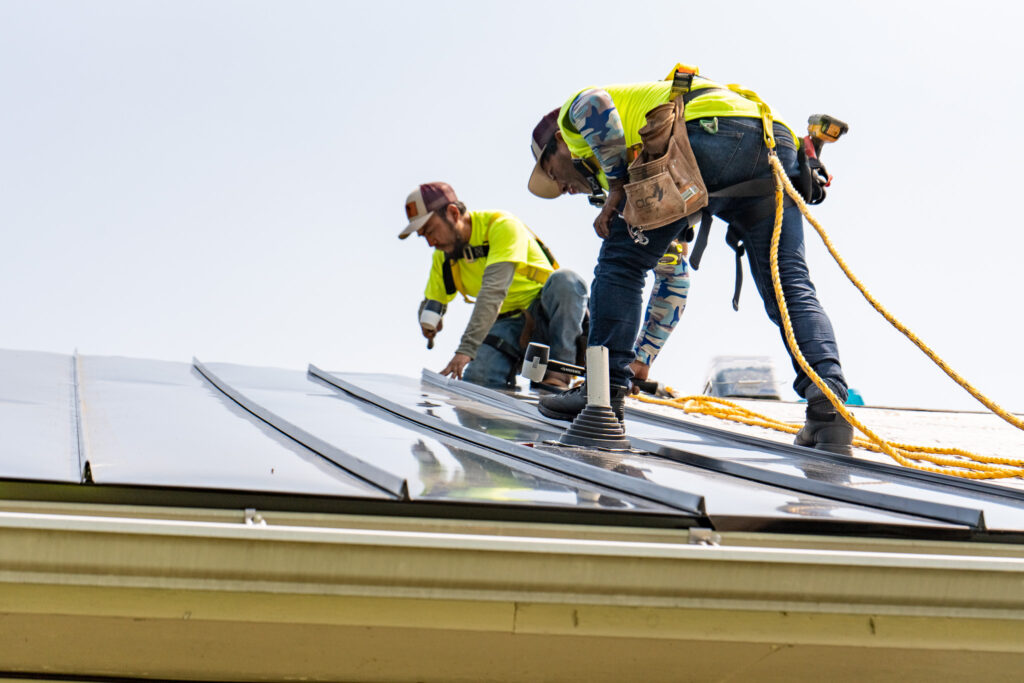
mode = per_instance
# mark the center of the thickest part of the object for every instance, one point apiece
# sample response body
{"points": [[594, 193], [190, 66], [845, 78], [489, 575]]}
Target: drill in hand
{"points": [[821, 128], [430, 318]]}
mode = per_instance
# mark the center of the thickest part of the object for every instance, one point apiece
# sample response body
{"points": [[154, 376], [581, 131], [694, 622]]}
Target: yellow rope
{"points": [[951, 461], [979, 466], [967, 465], [984, 400]]}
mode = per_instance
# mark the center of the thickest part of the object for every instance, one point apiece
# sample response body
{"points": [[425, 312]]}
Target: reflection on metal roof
{"points": [[384, 443], [159, 423], [38, 416]]}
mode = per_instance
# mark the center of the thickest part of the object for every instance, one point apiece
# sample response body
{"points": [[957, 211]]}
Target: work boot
{"points": [[824, 427], [553, 382], [568, 404]]}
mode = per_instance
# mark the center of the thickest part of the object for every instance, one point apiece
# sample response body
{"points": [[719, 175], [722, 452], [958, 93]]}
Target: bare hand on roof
{"points": [[456, 365]]}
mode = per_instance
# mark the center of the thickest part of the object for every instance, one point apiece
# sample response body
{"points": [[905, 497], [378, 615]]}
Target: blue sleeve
{"points": [[594, 115], [665, 308]]}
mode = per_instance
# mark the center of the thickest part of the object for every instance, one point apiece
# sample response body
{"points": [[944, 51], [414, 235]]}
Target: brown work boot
{"points": [[559, 381], [824, 427]]}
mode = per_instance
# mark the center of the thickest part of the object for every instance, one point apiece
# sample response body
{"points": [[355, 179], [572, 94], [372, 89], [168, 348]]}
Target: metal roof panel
{"points": [[436, 467], [38, 417], [160, 423]]}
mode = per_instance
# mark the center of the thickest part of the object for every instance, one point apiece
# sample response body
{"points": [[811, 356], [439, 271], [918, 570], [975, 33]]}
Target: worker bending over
{"points": [[521, 294], [587, 142]]}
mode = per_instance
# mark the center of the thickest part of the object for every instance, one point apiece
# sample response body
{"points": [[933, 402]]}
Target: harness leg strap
{"points": [[734, 238], [510, 350], [702, 239], [739, 279], [514, 354]]}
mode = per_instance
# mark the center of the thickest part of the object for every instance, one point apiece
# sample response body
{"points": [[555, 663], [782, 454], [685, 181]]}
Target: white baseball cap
{"points": [[423, 202]]}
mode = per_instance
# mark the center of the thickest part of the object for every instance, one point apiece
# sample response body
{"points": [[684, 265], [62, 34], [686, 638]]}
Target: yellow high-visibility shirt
{"points": [[633, 101], [510, 241]]}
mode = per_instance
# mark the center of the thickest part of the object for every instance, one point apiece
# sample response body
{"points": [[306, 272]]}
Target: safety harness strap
{"points": [[510, 350], [469, 254], [472, 253], [760, 187], [479, 251], [693, 94], [702, 239], [757, 187], [682, 79], [734, 239], [446, 275], [547, 252]]}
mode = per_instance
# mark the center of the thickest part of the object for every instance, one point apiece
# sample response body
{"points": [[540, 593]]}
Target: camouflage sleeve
{"points": [[594, 115], [668, 299]]}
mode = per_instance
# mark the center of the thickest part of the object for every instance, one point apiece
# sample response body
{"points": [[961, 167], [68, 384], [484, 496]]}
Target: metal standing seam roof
{"points": [[382, 443]]}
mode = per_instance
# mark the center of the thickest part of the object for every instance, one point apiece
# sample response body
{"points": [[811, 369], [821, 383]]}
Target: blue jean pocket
{"points": [[715, 152]]}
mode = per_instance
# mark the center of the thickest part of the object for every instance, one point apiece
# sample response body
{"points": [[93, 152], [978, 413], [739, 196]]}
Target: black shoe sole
{"points": [[836, 448], [555, 414], [546, 389], [568, 417]]}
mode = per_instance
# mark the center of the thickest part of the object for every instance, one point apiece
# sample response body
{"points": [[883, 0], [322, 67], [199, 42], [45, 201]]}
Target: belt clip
{"points": [[710, 126], [637, 234]]}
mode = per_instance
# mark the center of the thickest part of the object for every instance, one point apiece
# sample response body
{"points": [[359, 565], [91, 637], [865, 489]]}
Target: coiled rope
{"points": [[951, 461]]}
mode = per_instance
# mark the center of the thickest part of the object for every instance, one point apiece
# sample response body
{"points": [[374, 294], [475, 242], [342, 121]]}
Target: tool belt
{"points": [[665, 183], [512, 314]]}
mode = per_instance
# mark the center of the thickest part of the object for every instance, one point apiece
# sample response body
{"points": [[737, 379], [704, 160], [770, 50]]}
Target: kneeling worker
{"points": [[521, 294]]}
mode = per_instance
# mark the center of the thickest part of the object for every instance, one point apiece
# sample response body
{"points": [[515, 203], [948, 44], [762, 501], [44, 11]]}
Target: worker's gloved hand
{"points": [[456, 365], [616, 196]]}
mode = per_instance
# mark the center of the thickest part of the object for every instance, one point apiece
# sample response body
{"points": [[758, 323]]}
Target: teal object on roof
{"points": [[853, 398]]}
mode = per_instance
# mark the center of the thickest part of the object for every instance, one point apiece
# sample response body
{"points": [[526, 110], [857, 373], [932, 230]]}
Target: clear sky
{"points": [[226, 179]]}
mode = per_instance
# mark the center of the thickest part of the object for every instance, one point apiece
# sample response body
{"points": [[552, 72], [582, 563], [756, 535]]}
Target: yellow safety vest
{"points": [[518, 244], [633, 101]]}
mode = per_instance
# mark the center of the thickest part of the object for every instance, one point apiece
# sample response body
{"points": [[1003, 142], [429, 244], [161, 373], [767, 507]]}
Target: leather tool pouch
{"points": [[664, 181]]}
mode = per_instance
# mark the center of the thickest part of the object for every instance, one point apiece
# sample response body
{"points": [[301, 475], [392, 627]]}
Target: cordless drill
{"points": [[821, 128], [430, 318]]}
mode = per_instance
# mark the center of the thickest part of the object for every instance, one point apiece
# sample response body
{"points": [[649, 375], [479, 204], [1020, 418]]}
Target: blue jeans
{"points": [[558, 317], [732, 155]]}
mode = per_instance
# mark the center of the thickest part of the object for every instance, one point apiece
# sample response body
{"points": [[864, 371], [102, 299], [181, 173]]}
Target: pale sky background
{"points": [[226, 179]]}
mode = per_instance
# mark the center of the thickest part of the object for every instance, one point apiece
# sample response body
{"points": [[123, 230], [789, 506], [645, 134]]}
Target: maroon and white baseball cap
{"points": [[543, 133], [422, 202]]}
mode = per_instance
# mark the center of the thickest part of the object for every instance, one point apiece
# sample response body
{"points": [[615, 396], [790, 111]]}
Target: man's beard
{"points": [[460, 244]]}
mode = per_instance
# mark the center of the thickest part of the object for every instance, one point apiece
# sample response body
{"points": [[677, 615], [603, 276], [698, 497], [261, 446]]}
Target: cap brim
{"points": [[542, 185], [415, 225]]}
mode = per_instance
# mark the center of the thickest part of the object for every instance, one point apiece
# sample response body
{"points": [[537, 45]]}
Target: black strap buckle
{"points": [[681, 83], [472, 253]]}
